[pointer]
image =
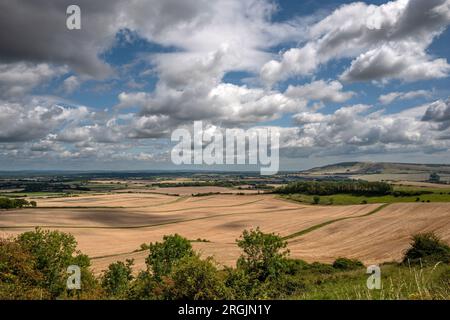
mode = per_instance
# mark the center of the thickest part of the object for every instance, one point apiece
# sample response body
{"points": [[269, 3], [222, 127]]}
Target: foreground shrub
{"points": [[242, 286], [264, 255], [53, 252], [195, 279], [295, 266], [427, 248], [145, 287], [19, 278], [164, 255], [284, 286], [345, 264], [117, 279]]}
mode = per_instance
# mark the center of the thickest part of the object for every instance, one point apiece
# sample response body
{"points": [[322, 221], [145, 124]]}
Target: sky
{"points": [[340, 80]]}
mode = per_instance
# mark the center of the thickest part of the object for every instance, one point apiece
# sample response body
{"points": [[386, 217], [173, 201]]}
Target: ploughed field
{"points": [[112, 226]]}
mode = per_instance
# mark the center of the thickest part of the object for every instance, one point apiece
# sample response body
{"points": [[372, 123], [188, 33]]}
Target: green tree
{"points": [[195, 279], [434, 177], [321, 188], [164, 255], [264, 254], [6, 203], [20, 203], [145, 287], [316, 199], [242, 286], [19, 278], [53, 252], [117, 279]]}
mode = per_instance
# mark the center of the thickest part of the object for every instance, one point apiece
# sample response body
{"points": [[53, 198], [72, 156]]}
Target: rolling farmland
{"points": [[111, 227]]}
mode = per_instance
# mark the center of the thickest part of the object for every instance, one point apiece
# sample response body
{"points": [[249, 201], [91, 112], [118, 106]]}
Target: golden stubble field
{"points": [[111, 227]]}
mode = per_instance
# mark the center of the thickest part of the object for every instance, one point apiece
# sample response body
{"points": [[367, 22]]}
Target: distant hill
{"points": [[367, 168]]}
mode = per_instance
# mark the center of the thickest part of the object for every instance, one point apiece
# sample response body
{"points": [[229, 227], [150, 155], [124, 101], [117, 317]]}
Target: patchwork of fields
{"points": [[112, 226]]}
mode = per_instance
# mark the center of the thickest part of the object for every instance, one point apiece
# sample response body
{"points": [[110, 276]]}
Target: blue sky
{"points": [[343, 81]]}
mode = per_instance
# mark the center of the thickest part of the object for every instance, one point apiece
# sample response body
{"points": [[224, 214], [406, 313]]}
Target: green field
{"points": [[436, 195]]}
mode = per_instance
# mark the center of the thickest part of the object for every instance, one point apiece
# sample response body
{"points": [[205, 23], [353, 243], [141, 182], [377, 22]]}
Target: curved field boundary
{"points": [[179, 199], [149, 206], [145, 226], [208, 207], [326, 223], [158, 211], [323, 224], [291, 236], [74, 207]]}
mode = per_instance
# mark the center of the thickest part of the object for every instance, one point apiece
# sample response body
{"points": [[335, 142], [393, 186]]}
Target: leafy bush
{"points": [[284, 286], [195, 279], [164, 255], [345, 264], [241, 285], [295, 266], [53, 252], [143, 247], [19, 278], [263, 254], [145, 287], [427, 248], [320, 268], [117, 279], [34, 266], [316, 199]]}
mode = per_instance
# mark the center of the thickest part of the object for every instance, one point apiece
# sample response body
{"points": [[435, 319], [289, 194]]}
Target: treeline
{"points": [[7, 203], [43, 186], [53, 187], [325, 188], [226, 184], [214, 183], [33, 266]]}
